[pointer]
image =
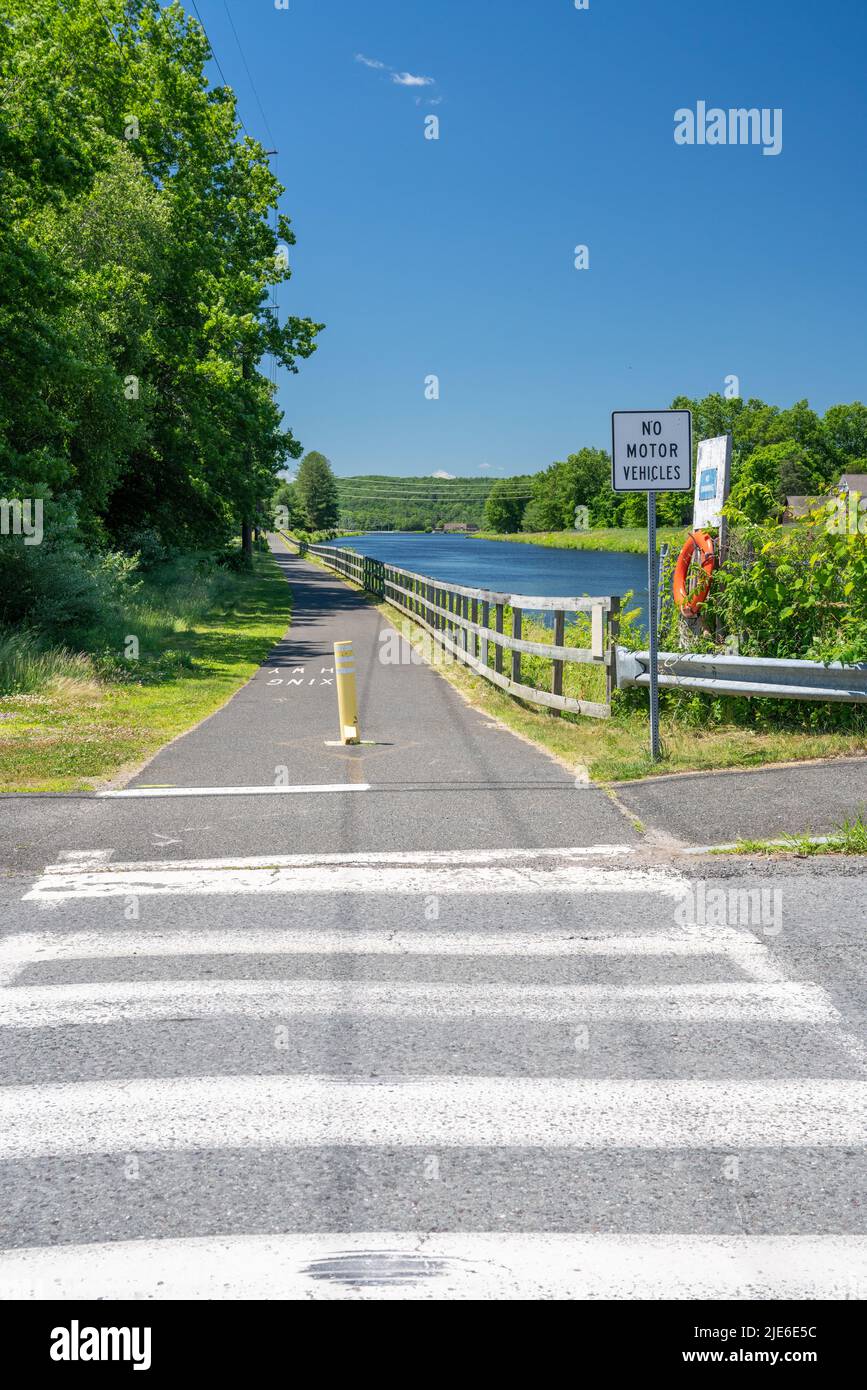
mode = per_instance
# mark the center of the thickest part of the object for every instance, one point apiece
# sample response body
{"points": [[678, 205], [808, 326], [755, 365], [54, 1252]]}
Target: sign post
{"points": [[652, 452]]}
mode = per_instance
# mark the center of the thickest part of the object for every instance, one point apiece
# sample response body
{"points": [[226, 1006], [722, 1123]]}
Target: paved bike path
{"points": [[440, 774]]}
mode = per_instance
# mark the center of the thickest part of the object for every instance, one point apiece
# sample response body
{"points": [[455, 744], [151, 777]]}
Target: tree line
{"points": [[776, 453], [139, 242], [316, 500]]}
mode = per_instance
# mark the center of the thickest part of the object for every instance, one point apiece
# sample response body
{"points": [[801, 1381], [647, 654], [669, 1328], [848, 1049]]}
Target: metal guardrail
{"points": [[459, 620], [747, 675]]}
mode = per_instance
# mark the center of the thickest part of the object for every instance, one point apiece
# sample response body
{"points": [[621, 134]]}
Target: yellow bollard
{"points": [[347, 699]]}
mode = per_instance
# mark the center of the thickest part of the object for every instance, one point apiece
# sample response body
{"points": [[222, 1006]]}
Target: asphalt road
{"points": [[401, 1043]]}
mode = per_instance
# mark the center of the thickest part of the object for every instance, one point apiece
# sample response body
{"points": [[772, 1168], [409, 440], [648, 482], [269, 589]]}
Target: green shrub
{"points": [[795, 591]]}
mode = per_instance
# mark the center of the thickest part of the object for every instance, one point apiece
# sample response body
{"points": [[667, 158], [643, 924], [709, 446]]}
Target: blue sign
{"points": [[707, 485]]}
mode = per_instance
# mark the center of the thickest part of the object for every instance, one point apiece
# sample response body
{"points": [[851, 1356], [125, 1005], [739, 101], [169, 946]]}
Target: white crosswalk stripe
{"points": [[53, 1006], [445, 1266], [288, 1111], [164, 974]]}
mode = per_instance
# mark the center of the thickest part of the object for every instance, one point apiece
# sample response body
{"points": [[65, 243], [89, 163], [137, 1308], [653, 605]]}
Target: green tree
{"points": [[758, 493], [504, 507], [317, 492], [845, 429], [286, 499], [136, 261]]}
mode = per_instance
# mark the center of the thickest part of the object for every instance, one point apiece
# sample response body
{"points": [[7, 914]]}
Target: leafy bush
{"points": [[794, 591], [787, 592], [61, 592]]}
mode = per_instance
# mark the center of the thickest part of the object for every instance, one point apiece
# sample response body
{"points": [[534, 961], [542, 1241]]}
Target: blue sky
{"points": [[456, 257]]}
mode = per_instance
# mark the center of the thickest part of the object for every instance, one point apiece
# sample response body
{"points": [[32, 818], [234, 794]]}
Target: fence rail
{"points": [[459, 621], [747, 675]]}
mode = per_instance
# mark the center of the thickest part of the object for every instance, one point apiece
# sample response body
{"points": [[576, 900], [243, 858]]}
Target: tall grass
{"points": [[630, 539], [28, 664]]}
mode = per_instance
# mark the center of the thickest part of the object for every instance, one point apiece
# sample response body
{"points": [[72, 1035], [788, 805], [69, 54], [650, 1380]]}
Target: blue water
{"points": [[509, 567]]}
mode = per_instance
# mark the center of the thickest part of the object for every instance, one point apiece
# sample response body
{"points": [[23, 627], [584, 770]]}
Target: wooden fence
{"points": [[460, 621]]}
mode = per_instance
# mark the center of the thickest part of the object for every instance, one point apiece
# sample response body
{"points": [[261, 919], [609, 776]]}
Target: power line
{"points": [[219, 67], [114, 37], [249, 74], [350, 494], [406, 484]]}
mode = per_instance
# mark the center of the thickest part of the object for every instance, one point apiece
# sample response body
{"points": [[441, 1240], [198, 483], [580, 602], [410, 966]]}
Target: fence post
{"points": [[475, 618], [660, 592], [559, 639], [611, 660], [498, 646], [517, 617], [486, 618]]}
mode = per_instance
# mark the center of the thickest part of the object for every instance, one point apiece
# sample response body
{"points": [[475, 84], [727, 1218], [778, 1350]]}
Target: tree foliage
{"points": [[775, 454], [504, 507], [136, 260], [317, 492]]}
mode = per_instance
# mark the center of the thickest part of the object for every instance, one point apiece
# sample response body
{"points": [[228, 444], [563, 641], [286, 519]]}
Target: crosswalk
{"points": [[516, 1074]]}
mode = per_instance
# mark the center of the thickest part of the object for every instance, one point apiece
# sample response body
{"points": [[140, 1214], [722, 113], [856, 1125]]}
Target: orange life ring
{"points": [[691, 602]]}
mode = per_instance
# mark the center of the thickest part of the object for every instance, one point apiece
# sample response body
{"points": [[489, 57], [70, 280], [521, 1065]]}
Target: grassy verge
{"points": [[851, 838], [632, 539], [77, 731], [616, 749]]}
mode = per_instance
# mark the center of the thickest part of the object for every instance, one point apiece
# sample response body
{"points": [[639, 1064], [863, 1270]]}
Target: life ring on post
{"points": [[701, 542]]}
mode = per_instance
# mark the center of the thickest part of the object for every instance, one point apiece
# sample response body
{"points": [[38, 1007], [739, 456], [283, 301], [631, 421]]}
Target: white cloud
{"points": [[400, 79], [484, 465], [441, 473], [408, 79]]}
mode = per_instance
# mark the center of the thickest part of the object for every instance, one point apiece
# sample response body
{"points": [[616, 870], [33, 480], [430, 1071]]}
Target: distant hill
{"points": [[381, 503]]}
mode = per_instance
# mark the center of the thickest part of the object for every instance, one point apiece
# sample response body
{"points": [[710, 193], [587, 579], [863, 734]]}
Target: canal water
{"points": [[508, 566]]}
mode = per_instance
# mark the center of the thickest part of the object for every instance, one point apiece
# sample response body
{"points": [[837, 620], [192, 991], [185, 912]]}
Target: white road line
{"points": [[136, 1001], [14, 955], [386, 1265], [279, 1112], [386, 859], [29, 948], [233, 791], [84, 858], [430, 880]]}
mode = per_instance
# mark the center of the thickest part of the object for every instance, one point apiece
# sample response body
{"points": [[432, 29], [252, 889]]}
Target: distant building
{"points": [[460, 526], [799, 507], [854, 482]]}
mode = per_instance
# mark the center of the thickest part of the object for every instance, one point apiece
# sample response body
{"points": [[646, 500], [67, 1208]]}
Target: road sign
{"points": [[651, 450], [713, 467]]}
